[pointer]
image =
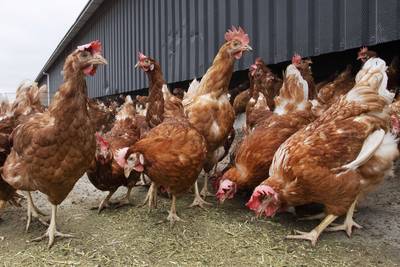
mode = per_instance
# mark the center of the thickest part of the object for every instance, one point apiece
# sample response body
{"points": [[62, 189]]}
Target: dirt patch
{"points": [[227, 235]]}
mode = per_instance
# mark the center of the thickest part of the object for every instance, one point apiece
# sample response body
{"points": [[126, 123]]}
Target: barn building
{"points": [[184, 36]]}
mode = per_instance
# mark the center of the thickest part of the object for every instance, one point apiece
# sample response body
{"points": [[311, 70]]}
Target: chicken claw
{"points": [[316, 232], [172, 216], [347, 226], [348, 223], [311, 236], [204, 192], [32, 210], [52, 232], [198, 201], [105, 203]]}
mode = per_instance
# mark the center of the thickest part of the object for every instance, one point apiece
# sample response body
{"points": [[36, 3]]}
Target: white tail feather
{"points": [[370, 145], [188, 97], [128, 99], [194, 85]]}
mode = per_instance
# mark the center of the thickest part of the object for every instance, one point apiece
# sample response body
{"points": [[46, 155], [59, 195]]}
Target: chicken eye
{"points": [[85, 54], [147, 61], [236, 43]]}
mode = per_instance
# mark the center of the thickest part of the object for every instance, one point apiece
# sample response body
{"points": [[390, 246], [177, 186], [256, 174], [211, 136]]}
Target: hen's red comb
{"points": [[237, 34], [101, 140], [296, 59], [141, 56], [93, 47]]}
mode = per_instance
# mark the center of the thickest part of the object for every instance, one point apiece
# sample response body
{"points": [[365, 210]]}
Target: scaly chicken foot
{"points": [[32, 210], [348, 223], [151, 197], [316, 232], [105, 203], [172, 216], [198, 200], [52, 232], [318, 216], [204, 192]]}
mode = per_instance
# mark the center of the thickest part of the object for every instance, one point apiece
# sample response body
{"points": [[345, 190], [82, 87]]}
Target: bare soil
{"points": [[221, 235]]}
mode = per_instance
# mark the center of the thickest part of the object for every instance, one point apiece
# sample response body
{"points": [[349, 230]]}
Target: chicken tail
{"points": [[128, 109], [370, 145], [188, 96]]}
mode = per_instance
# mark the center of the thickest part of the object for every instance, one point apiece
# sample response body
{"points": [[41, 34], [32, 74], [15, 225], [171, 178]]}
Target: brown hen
{"points": [[254, 155], [52, 150], [171, 154], [155, 109], [263, 80], [208, 108], [27, 103], [337, 159], [105, 174], [304, 66]]}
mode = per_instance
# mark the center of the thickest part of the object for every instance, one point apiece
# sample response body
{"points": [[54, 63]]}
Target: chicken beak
{"points": [[98, 60], [127, 171], [248, 48], [137, 64]]}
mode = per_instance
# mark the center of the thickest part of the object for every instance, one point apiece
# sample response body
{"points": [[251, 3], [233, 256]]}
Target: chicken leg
{"points": [[172, 216], [105, 203], [348, 223], [316, 232], [204, 192], [198, 200], [151, 197], [3, 204], [126, 200], [52, 232], [32, 210]]}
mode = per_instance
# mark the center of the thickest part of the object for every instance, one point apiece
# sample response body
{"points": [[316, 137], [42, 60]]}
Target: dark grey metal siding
{"points": [[184, 35]]}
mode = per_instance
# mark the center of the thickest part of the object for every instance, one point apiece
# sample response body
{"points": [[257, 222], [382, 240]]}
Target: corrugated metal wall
{"points": [[184, 35]]}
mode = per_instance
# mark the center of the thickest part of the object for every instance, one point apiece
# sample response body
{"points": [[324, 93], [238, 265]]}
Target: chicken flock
{"points": [[289, 141]]}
